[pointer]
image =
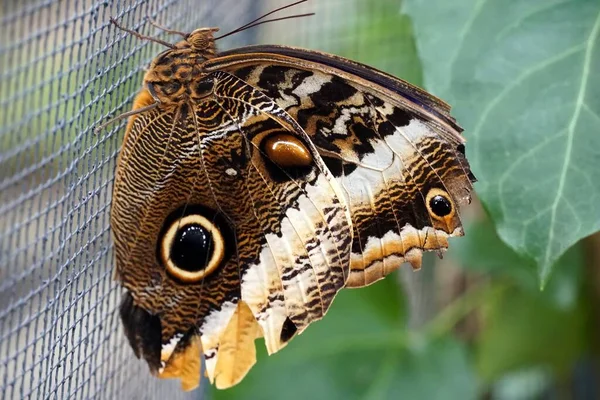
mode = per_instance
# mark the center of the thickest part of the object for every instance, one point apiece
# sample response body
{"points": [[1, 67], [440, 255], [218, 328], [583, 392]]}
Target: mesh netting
{"points": [[63, 70]]}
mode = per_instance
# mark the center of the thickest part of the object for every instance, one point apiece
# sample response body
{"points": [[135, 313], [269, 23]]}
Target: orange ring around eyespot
{"points": [[169, 237], [439, 192]]}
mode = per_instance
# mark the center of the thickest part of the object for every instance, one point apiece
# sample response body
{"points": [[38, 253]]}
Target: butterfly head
{"points": [[201, 40], [175, 76]]}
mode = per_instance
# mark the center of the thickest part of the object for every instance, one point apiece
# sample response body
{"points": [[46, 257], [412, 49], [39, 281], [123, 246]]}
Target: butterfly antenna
{"points": [[255, 22], [264, 22], [140, 36], [271, 13]]}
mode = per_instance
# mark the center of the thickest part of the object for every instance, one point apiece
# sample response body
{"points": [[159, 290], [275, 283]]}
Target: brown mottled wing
{"points": [[393, 148], [287, 241]]}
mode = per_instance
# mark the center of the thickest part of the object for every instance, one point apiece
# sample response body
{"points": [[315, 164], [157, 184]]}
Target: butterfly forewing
{"points": [[394, 152]]}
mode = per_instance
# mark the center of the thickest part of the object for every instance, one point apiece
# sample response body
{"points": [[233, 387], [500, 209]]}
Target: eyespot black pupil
{"points": [[440, 206], [192, 248]]}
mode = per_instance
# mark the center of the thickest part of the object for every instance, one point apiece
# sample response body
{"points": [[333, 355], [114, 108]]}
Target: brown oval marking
{"points": [[287, 151]]}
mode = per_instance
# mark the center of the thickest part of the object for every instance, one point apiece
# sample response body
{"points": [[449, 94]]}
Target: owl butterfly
{"points": [[254, 184]]}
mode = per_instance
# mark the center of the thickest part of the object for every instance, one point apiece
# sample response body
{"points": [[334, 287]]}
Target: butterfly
{"points": [[254, 184]]}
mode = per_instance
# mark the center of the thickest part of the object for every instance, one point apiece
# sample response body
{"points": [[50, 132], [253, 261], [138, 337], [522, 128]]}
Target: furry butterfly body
{"points": [[256, 183]]}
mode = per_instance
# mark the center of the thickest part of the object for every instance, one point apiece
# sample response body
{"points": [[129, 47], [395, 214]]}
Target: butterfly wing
{"points": [[385, 177], [279, 235], [394, 149]]}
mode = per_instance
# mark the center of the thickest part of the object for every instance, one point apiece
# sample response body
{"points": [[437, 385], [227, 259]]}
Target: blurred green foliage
{"points": [[523, 79]]}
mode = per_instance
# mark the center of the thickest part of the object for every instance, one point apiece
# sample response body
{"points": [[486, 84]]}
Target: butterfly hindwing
{"points": [[286, 232]]}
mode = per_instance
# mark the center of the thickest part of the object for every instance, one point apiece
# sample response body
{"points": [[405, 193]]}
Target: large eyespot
{"points": [[439, 204], [286, 156], [191, 248]]}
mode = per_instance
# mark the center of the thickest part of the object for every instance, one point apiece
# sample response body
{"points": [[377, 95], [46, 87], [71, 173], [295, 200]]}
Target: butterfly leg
{"points": [[135, 111]]}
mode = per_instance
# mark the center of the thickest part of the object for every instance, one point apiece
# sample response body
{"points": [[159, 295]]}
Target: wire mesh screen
{"points": [[64, 69]]}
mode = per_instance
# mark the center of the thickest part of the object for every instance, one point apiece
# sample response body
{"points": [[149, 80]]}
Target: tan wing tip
{"points": [[237, 351], [185, 365], [415, 258]]}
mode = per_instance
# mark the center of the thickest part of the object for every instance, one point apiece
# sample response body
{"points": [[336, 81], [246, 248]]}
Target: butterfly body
{"points": [[255, 184]]}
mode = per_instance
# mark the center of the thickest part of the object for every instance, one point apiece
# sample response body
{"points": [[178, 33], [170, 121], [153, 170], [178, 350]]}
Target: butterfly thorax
{"points": [[176, 75]]}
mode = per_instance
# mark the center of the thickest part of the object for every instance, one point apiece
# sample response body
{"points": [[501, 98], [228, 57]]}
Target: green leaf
{"points": [[360, 351], [524, 80]]}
